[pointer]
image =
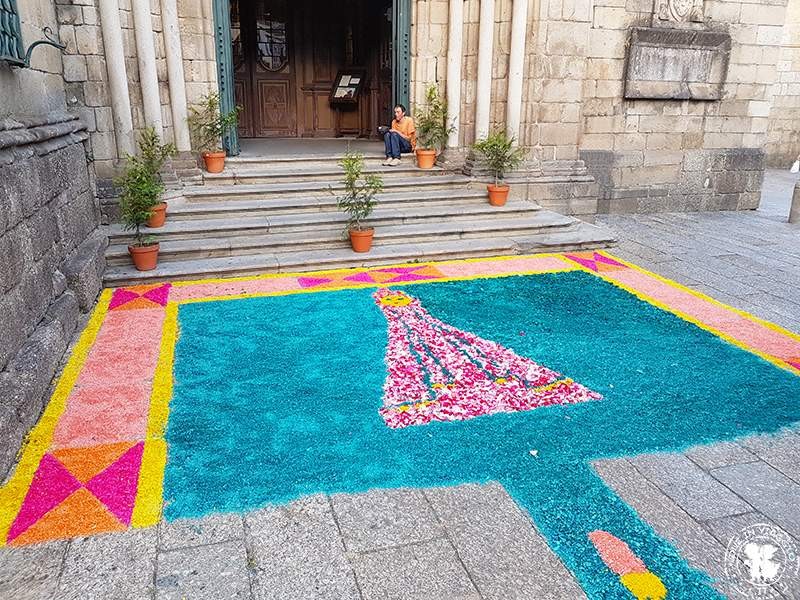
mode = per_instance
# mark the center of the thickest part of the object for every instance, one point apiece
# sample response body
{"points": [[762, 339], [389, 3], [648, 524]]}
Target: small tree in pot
{"points": [[152, 156], [501, 156], [432, 129], [208, 127], [140, 192], [358, 199]]}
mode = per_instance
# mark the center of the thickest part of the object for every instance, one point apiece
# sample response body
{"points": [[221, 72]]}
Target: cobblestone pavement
{"points": [[472, 541]]}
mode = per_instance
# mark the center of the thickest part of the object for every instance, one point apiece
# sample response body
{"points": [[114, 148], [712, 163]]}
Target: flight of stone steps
{"points": [[279, 215]]}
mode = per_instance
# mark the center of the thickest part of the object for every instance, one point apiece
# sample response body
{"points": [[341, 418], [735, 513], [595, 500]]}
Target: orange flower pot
{"points": [[498, 194], [158, 215], [145, 258], [361, 240], [426, 158], [215, 161]]}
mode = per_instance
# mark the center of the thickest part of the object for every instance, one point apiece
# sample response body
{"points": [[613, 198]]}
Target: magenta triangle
{"points": [[409, 277], [589, 263], [363, 277], [51, 485], [116, 485], [158, 295], [400, 269], [312, 281], [121, 296]]}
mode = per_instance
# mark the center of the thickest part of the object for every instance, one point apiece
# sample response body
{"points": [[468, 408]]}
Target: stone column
{"points": [[516, 65], [484, 79], [455, 34], [117, 76], [146, 54], [177, 85]]}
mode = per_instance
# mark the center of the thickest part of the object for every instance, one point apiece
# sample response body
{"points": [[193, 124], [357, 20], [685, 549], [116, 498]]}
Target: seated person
{"points": [[401, 138]]}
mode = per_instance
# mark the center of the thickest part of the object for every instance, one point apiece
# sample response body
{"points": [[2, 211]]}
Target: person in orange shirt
{"points": [[401, 138]]}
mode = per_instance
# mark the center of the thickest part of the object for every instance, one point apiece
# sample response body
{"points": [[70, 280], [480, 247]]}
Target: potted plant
{"points": [[152, 156], [432, 129], [501, 156], [358, 199], [208, 127], [140, 192]]}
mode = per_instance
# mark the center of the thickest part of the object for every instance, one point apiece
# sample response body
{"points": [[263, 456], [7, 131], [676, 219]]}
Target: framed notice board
{"points": [[347, 86]]}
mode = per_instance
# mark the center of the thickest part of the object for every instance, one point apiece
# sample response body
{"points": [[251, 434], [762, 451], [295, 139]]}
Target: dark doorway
{"points": [[287, 53]]}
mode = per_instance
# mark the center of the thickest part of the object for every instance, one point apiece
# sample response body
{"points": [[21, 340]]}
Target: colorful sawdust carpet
{"points": [[222, 396]]}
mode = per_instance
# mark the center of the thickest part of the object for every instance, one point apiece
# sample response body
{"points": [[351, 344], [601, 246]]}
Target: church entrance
{"points": [[311, 68]]}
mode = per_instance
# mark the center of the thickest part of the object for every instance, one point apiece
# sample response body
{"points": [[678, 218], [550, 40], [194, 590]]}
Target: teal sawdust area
{"points": [[278, 397]]}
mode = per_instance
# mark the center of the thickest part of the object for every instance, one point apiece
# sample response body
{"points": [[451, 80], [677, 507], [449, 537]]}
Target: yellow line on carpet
{"points": [[360, 286], [150, 491], [686, 317], [38, 440], [432, 263]]}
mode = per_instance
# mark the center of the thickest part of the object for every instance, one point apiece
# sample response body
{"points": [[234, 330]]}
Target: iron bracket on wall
{"points": [[25, 63]]}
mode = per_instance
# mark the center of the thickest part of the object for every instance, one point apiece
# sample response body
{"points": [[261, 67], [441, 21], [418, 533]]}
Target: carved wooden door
{"points": [[263, 67]]}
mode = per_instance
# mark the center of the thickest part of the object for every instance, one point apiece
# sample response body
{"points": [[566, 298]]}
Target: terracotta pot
{"points": [[145, 258], [498, 194], [215, 161], [158, 215], [361, 240], [426, 158]]}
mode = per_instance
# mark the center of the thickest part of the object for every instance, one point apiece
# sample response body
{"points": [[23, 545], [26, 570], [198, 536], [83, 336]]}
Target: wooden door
{"points": [[264, 75]]}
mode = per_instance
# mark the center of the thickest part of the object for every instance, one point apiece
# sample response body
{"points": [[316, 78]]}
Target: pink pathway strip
{"points": [[180, 293], [528, 264], [751, 333]]}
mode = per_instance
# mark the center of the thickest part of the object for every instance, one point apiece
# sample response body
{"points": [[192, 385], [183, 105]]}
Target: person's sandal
{"points": [[395, 162], [387, 162]]}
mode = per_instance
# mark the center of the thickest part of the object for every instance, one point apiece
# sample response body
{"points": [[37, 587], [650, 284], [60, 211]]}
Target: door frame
{"points": [[401, 60]]}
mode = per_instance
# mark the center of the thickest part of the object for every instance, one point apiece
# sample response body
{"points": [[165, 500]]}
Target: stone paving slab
{"points": [[296, 552], [31, 572], [117, 566], [767, 490], [204, 573], [500, 547], [384, 518], [426, 571]]}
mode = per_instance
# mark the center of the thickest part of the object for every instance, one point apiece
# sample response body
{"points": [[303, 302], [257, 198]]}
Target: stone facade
{"points": [[52, 251]]}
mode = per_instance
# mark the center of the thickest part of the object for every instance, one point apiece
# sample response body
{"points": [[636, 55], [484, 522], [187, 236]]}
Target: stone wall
{"points": [[671, 154], [783, 137], [51, 250], [87, 79], [52, 264]]}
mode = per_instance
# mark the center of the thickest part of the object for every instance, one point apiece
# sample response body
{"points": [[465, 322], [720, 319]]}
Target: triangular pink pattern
{"points": [[591, 263], [363, 277], [439, 373], [121, 296], [116, 485], [795, 364], [312, 281], [409, 277], [51, 484], [159, 295], [400, 269]]}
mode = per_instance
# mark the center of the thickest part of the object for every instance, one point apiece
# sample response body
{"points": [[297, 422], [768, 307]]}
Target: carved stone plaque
{"points": [[676, 64]]}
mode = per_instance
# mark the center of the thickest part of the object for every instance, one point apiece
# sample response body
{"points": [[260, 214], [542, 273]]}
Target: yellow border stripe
{"points": [[38, 440], [359, 286], [150, 492], [686, 317], [433, 263]]}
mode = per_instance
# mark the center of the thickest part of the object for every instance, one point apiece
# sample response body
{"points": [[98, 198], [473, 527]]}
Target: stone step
{"points": [[225, 226], [181, 209], [580, 237], [206, 193], [327, 159], [311, 171], [190, 249]]}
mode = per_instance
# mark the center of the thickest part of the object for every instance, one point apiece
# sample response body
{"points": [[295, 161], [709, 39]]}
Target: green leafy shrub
{"points": [[431, 121], [358, 199], [140, 184], [500, 153], [208, 125]]}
